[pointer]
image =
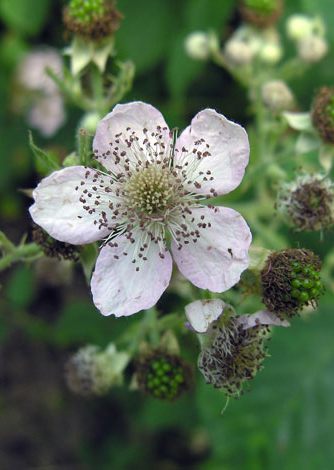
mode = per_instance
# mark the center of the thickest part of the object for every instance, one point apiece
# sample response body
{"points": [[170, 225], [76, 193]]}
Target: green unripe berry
{"points": [[166, 367], [179, 378], [296, 266], [295, 293], [303, 297], [313, 293], [307, 283], [318, 284], [296, 283]]}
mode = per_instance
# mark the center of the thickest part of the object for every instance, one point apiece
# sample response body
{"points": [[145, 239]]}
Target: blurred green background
{"points": [[285, 422]]}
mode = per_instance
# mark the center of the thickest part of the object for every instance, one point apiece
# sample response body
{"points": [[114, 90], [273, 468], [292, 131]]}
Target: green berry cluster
{"points": [[264, 7], [261, 13], [164, 380], [291, 280], [86, 11], [93, 20], [305, 283], [163, 375]]}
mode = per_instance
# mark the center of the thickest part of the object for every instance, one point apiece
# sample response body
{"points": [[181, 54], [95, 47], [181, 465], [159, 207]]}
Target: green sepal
{"points": [[88, 257], [48, 160]]}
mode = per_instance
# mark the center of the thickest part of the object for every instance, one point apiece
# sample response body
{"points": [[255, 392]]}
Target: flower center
{"points": [[150, 189]]}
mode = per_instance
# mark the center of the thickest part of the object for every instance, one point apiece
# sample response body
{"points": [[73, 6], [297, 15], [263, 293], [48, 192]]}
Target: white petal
{"points": [[57, 208], [118, 289], [220, 255], [228, 148], [124, 119], [202, 313], [262, 317]]}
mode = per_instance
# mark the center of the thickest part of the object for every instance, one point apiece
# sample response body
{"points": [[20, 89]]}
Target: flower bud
{"points": [[261, 13], [271, 53], [277, 96], [89, 122], [71, 159], [248, 43], [232, 347], [199, 45], [322, 113], [93, 372], [307, 203], [91, 19], [291, 281], [312, 48], [239, 52], [163, 375], [299, 27]]}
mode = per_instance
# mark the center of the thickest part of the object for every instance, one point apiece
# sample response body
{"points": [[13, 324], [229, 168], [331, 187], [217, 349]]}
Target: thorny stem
{"points": [[81, 101], [12, 254], [97, 89]]}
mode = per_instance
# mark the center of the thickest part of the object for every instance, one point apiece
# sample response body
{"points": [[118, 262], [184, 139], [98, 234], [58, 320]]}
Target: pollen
{"points": [[150, 189]]}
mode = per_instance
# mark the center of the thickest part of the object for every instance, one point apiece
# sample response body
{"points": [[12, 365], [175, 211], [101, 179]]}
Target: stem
{"points": [[81, 101], [121, 85], [147, 325], [5, 243], [26, 253], [97, 89]]}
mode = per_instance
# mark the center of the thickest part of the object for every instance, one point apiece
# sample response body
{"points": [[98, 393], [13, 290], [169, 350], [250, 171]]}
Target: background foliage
{"points": [[285, 422]]}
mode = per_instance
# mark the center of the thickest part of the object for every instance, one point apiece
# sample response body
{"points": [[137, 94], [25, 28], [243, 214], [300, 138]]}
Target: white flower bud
{"points": [[299, 27], [312, 48], [271, 53], [89, 122], [198, 45], [239, 52], [276, 95]]}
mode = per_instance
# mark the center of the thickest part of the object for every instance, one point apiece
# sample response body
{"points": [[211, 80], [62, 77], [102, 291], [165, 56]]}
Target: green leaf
{"points": [[25, 16], [48, 160], [144, 35]]}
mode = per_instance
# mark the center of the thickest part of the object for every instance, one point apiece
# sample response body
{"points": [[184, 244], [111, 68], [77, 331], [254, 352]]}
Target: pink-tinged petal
{"points": [[57, 208], [118, 289], [217, 163], [220, 255], [202, 313], [119, 130], [262, 317]]}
